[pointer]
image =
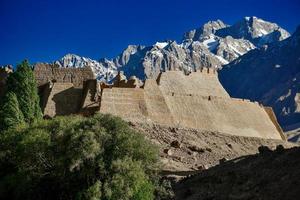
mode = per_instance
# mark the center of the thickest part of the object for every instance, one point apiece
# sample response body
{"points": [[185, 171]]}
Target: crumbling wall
{"points": [[196, 101], [200, 83], [63, 99], [50, 72], [157, 108], [90, 101], [65, 91], [128, 103], [229, 116]]}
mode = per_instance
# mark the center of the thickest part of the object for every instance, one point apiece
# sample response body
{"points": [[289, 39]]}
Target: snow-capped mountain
{"points": [[212, 45], [256, 30], [104, 70], [230, 42]]}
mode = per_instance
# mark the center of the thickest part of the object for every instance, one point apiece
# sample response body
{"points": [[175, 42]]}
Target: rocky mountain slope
{"points": [[270, 75], [265, 176], [186, 151], [212, 45]]}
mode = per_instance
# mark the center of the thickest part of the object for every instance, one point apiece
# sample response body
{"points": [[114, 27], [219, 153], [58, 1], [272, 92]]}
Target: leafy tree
{"points": [[22, 82], [73, 157], [10, 113]]}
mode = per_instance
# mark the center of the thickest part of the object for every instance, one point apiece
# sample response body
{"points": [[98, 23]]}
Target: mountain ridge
{"points": [[202, 47]]}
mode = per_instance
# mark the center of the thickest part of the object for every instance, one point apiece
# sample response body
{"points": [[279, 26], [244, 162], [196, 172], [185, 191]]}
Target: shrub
{"points": [[77, 158]]}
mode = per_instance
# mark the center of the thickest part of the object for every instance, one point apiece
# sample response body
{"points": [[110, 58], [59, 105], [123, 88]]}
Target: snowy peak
{"points": [[104, 71], [228, 43], [72, 60], [256, 30], [161, 45], [205, 31]]}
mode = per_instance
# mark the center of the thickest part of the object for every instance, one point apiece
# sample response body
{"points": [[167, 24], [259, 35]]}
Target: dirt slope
{"points": [[265, 176], [185, 151]]}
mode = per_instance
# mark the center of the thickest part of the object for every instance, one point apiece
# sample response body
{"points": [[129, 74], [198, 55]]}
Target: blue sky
{"points": [[43, 31]]}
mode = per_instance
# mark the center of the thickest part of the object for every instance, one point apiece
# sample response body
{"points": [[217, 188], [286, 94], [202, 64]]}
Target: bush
{"points": [[77, 158]]}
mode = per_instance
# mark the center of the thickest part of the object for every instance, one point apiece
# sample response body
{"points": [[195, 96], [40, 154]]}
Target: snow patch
{"points": [[222, 60], [234, 49], [157, 53], [161, 45], [211, 43]]}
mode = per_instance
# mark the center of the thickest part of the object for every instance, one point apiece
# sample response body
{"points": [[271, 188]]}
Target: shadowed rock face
{"points": [[270, 75], [265, 176]]}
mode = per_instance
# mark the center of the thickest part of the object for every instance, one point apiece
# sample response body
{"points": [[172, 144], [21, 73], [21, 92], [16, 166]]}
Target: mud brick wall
{"points": [[195, 101], [128, 103], [50, 72], [63, 99]]}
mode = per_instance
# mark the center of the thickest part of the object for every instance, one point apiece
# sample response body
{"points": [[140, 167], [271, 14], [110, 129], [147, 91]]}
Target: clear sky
{"points": [[44, 31]]}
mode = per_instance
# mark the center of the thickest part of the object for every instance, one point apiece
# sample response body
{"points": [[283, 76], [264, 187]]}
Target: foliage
{"points": [[73, 157], [22, 82], [11, 115]]}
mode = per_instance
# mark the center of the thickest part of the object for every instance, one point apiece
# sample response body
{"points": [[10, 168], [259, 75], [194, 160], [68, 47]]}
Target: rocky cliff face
{"points": [[270, 75], [212, 45]]}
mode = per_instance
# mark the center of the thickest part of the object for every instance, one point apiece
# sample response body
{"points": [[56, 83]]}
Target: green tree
{"points": [[10, 113], [22, 82], [73, 157]]}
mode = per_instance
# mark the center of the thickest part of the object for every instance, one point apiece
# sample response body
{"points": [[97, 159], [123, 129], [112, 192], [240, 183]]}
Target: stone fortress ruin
{"points": [[196, 101]]}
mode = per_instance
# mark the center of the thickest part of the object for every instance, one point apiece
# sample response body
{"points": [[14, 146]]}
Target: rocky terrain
{"points": [[271, 76], [267, 175], [212, 45], [188, 151]]}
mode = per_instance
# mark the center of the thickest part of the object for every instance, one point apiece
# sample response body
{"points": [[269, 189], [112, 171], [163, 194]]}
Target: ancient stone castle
{"points": [[197, 100]]}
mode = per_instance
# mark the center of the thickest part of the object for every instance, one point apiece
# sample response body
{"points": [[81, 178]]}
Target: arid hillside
{"points": [[264, 176], [188, 151]]}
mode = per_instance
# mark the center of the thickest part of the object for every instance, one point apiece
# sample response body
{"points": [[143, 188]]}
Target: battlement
{"points": [[121, 81]]}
